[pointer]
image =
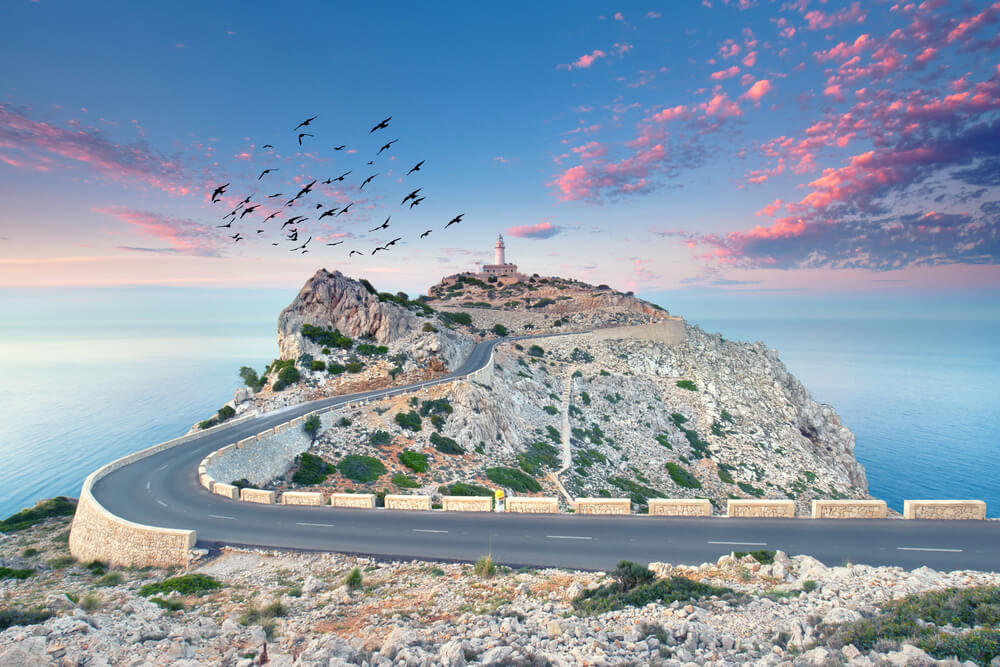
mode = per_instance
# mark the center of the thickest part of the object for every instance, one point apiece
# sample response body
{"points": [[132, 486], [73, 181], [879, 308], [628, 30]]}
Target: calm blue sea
{"points": [[84, 385]]}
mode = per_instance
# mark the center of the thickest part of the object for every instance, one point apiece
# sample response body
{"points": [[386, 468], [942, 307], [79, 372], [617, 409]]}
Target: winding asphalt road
{"points": [[163, 490]]}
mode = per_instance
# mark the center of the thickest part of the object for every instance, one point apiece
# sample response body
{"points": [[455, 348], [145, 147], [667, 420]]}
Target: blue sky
{"points": [[698, 148]]}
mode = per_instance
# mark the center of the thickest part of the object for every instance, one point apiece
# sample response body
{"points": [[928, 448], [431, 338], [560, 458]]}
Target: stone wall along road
{"points": [[944, 509], [301, 498], [355, 500], [603, 506], [532, 505], [848, 509], [771, 509], [680, 507], [404, 502], [467, 503]]}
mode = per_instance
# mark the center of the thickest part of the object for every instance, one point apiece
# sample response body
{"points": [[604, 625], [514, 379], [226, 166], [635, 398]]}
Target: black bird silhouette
{"points": [[260, 231], [245, 201], [454, 221], [267, 146], [306, 190], [303, 134], [416, 167], [218, 191], [416, 202], [303, 252], [304, 123], [328, 181], [319, 206], [340, 148], [384, 225], [371, 162], [344, 210], [337, 243], [266, 171], [386, 147], [236, 237], [426, 233], [293, 236], [353, 252], [229, 214], [367, 181], [377, 249], [291, 221], [274, 244], [273, 215], [412, 195], [341, 177], [332, 211], [302, 247], [276, 194], [381, 126], [228, 224], [393, 242], [249, 209]]}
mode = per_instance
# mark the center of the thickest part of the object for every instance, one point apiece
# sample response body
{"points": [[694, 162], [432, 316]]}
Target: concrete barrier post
{"points": [[257, 496], [848, 509], [302, 498], [761, 509], [467, 503], [603, 506], [680, 507], [532, 505], [944, 509], [355, 500], [226, 491], [405, 502]]}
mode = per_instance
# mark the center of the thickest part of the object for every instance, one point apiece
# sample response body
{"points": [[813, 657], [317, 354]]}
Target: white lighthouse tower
{"points": [[499, 251], [500, 267]]}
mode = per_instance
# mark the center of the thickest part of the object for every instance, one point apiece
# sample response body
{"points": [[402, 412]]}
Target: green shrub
{"points": [[208, 423], [627, 575], [514, 479], [60, 562], [243, 483], [326, 337], [541, 303], [354, 366], [405, 481], [682, 477], [167, 605], [354, 579], [762, 556], [249, 377], [748, 488], [10, 617], [429, 327], [664, 439], [43, 509], [186, 584], [333, 368], [371, 350], [29, 552], [725, 476], [438, 406], [109, 579], [344, 421], [536, 351], [539, 455], [288, 375], [465, 489], [318, 365], [22, 574], [550, 409], [394, 371], [359, 468], [585, 397], [311, 425], [368, 286], [263, 616], [446, 445], [553, 434], [485, 567], [312, 470], [809, 585], [638, 494], [379, 438], [726, 417], [611, 597], [455, 318], [408, 420], [687, 384], [415, 461], [226, 412]]}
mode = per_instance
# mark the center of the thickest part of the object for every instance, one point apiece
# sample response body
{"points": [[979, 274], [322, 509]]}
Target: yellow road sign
{"points": [[498, 494]]}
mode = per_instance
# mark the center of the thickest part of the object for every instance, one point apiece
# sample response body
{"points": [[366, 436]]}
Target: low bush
{"points": [[500, 330], [485, 567], [446, 445], [43, 509], [109, 579], [762, 556], [354, 367], [379, 438], [371, 350], [682, 477], [167, 605], [243, 483], [326, 337], [536, 351], [635, 588], [638, 494], [10, 617], [428, 327], [550, 409], [9, 573], [415, 461], [724, 473], [312, 470], [344, 421], [354, 579], [333, 368], [405, 481], [750, 489], [465, 489], [359, 468], [263, 616], [438, 406], [186, 584], [408, 420], [514, 479], [539, 455], [687, 384], [226, 412], [318, 365], [311, 425], [455, 318]]}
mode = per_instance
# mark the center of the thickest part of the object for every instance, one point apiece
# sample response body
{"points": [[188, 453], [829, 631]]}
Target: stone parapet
{"points": [[246, 442], [944, 509], [532, 505], [603, 506], [467, 503], [257, 496], [302, 498], [848, 509], [770, 509], [226, 491], [404, 502], [355, 500], [679, 507]]}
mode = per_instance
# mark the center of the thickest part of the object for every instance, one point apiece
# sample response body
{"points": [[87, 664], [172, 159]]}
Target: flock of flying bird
{"points": [[248, 207]]}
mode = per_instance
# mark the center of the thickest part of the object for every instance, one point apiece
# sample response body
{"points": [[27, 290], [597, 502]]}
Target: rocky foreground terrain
{"points": [[312, 609]]}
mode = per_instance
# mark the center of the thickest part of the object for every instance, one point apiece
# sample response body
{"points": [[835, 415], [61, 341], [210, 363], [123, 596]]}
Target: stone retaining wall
{"points": [[848, 509], [403, 502], [944, 509], [257, 496], [679, 507], [770, 509], [467, 503], [603, 506], [226, 491], [532, 505], [301, 498], [355, 500]]}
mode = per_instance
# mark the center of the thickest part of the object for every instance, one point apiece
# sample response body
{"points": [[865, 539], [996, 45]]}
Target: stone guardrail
{"points": [[532, 505], [602, 506], [467, 503], [944, 509], [680, 507], [765, 508], [848, 509]]}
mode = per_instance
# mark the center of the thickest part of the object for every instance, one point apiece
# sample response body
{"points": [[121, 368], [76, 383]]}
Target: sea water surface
{"points": [[83, 387]]}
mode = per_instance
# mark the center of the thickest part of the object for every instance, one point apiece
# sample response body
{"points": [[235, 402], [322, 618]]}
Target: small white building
{"points": [[500, 267]]}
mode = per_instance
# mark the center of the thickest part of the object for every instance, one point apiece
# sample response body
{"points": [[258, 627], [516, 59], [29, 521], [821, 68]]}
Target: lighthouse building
{"points": [[500, 267]]}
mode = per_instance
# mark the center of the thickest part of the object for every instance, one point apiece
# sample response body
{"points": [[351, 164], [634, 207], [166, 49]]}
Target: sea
{"points": [[85, 380]]}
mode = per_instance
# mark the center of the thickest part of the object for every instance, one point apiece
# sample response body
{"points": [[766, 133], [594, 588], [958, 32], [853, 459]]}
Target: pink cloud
{"points": [[183, 235], [726, 73], [585, 60], [845, 51], [729, 49], [974, 23], [770, 209], [619, 17], [750, 59], [542, 230], [818, 20], [758, 90], [653, 15], [720, 106], [671, 113]]}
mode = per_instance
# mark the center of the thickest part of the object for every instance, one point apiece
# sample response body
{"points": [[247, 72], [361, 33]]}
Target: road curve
{"points": [[163, 490]]}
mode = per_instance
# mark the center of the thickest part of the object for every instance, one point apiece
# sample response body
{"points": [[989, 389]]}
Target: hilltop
{"points": [[629, 401]]}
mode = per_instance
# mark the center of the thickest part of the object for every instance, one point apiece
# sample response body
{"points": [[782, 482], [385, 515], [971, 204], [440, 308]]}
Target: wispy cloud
{"points": [[183, 235], [542, 230]]}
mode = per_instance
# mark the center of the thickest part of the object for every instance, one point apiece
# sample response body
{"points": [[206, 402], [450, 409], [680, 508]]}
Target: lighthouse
{"points": [[500, 267], [499, 251]]}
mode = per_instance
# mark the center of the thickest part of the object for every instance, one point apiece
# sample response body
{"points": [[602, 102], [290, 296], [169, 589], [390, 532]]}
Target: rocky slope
{"points": [[298, 611]]}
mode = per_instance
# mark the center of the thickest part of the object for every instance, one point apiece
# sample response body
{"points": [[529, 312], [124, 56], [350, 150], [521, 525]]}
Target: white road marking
{"points": [[306, 523], [162, 503], [148, 481], [569, 537], [744, 544], [951, 551], [427, 530], [163, 466], [216, 516]]}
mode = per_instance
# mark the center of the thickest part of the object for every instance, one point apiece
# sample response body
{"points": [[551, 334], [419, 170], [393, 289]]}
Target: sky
{"points": [[705, 149]]}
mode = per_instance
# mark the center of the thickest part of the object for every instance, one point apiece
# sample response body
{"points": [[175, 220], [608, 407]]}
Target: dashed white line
{"points": [[569, 537], [148, 482], [951, 551], [163, 466], [162, 503], [743, 544], [427, 530], [321, 525], [217, 516]]}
